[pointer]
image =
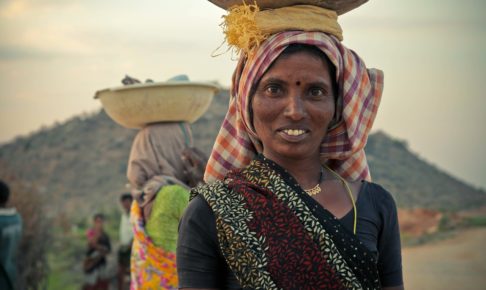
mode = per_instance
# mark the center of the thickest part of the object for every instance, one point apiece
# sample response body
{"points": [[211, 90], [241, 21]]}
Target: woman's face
{"points": [[293, 105]]}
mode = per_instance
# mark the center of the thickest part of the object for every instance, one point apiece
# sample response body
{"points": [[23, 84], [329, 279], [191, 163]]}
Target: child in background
{"points": [[94, 266]]}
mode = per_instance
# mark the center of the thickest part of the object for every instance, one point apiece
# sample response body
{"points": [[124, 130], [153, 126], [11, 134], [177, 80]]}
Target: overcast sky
{"points": [[54, 55]]}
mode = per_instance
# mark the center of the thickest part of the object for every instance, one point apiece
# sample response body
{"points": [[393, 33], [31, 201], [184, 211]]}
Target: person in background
{"points": [[99, 247], [10, 235], [162, 166], [126, 239]]}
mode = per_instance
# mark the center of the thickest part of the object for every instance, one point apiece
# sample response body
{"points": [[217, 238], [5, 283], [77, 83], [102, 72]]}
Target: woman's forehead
{"points": [[299, 64]]}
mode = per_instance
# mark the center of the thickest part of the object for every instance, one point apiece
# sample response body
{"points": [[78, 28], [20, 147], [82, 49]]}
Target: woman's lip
{"points": [[292, 138]]}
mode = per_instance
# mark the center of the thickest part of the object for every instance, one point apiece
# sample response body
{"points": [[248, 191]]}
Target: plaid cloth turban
{"points": [[360, 90]]}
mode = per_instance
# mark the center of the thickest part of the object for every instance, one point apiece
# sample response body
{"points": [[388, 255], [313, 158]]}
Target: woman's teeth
{"points": [[294, 132]]}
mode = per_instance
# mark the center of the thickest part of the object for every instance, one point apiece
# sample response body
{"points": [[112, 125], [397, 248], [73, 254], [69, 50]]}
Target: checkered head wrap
{"points": [[359, 91]]}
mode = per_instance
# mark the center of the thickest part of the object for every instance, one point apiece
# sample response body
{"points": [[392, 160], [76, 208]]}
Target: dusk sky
{"points": [[54, 55]]}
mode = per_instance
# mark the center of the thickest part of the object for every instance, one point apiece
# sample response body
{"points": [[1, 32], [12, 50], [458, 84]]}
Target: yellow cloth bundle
{"points": [[246, 26]]}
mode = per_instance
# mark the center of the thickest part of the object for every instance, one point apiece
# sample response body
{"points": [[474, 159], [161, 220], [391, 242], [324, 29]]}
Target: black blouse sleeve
{"points": [[389, 248], [197, 248]]}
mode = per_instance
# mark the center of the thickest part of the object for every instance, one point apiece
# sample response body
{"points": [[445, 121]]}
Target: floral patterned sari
{"points": [[274, 236]]}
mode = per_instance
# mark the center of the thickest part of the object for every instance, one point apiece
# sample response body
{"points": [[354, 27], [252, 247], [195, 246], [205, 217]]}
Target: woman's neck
{"points": [[306, 171]]}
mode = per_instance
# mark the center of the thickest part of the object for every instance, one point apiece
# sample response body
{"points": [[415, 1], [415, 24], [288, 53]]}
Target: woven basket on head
{"points": [[137, 105], [340, 6]]}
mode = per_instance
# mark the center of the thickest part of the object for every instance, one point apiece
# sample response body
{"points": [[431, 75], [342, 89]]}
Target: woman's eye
{"points": [[316, 92], [273, 90]]}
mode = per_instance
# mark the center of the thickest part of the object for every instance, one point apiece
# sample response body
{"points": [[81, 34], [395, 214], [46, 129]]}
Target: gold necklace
{"points": [[317, 188], [313, 191]]}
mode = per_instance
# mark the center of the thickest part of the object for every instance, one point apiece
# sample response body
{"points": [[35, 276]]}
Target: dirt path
{"points": [[456, 263]]}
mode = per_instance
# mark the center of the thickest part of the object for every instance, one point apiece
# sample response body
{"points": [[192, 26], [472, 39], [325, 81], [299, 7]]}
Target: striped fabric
{"points": [[342, 149]]}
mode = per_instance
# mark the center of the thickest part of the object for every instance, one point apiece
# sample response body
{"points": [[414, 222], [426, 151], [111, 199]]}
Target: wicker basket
{"points": [[340, 6], [137, 105]]}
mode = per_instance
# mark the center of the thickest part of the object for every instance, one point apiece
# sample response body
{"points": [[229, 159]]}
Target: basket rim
{"points": [[339, 8], [215, 87]]}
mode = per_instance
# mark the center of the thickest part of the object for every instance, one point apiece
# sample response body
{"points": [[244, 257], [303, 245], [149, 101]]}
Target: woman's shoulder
{"points": [[198, 208], [198, 220], [203, 196], [216, 187], [219, 196], [378, 195], [215, 193]]}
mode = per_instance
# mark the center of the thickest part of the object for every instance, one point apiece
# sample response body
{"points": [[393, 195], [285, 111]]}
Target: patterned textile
{"points": [[151, 267], [272, 239], [359, 89]]}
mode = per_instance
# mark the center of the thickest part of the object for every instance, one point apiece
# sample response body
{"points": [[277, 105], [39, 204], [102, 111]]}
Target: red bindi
{"points": [[297, 83]]}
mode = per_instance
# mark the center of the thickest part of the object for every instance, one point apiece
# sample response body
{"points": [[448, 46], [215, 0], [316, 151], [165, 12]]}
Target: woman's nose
{"points": [[295, 109]]}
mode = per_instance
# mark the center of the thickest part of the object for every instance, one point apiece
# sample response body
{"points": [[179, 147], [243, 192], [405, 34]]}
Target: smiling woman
{"points": [[292, 206], [293, 104]]}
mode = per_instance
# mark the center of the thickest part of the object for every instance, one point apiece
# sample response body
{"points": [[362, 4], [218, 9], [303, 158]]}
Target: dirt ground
{"points": [[455, 263]]}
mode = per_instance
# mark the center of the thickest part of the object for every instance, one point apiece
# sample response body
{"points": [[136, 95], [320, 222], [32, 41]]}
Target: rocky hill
{"points": [[415, 182], [80, 165]]}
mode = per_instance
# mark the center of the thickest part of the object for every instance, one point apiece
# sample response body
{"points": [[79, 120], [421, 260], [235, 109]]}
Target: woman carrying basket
{"points": [[162, 167], [289, 203]]}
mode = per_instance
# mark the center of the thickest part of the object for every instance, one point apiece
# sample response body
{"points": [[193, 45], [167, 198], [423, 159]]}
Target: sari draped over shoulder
{"points": [[274, 237]]}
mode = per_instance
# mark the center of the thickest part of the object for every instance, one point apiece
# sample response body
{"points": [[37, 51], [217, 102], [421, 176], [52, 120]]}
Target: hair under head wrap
{"points": [[342, 148]]}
